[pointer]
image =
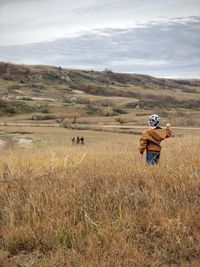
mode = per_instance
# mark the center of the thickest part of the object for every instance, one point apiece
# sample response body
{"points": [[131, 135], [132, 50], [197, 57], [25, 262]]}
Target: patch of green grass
{"points": [[15, 107]]}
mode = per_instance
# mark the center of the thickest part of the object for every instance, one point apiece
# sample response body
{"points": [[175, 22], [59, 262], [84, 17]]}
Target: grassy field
{"points": [[98, 204]]}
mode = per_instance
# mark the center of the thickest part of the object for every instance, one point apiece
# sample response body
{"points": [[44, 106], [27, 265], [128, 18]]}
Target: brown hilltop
{"points": [[58, 75]]}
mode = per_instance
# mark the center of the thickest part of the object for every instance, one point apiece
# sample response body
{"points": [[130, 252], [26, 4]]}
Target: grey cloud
{"points": [[27, 21], [160, 49]]}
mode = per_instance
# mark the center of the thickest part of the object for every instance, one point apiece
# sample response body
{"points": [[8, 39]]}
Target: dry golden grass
{"points": [[100, 205]]}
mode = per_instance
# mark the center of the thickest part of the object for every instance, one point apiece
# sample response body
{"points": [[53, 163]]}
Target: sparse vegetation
{"points": [[66, 123], [167, 102], [120, 120], [14, 107], [93, 110], [39, 117], [120, 110]]}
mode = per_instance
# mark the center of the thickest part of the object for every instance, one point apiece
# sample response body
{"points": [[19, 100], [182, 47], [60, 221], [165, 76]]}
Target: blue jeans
{"points": [[152, 158]]}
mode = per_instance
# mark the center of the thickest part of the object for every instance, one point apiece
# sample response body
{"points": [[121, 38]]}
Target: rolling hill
{"points": [[55, 93]]}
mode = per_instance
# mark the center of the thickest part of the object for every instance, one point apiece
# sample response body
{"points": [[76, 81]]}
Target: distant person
{"points": [[73, 140], [77, 140], [151, 139], [82, 140]]}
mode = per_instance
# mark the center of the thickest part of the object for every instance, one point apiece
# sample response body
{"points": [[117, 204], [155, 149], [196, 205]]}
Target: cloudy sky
{"points": [[155, 37]]}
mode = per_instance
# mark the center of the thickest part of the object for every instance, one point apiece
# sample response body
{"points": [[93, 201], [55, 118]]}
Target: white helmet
{"points": [[154, 120]]}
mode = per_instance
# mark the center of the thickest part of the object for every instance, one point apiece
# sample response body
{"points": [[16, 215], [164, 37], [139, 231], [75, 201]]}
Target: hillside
{"points": [[28, 91], [98, 204]]}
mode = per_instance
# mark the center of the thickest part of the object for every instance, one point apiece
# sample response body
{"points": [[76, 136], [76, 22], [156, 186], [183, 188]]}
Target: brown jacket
{"points": [[151, 139]]}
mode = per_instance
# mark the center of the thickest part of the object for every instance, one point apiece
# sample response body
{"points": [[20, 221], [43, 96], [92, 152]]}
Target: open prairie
{"points": [[89, 93], [97, 204]]}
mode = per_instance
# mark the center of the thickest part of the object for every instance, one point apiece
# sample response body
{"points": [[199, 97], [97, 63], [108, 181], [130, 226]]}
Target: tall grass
{"points": [[100, 205]]}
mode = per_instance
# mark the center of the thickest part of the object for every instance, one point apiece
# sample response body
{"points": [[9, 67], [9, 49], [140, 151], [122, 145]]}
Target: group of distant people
{"points": [[78, 140]]}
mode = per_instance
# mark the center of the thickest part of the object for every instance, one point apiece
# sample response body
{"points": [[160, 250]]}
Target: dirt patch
{"points": [[25, 142], [2, 144]]}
